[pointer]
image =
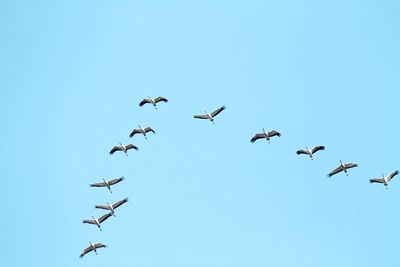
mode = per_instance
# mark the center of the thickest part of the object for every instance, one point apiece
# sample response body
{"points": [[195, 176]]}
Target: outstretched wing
{"points": [[204, 117], [377, 180], [104, 217], [273, 133], [149, 129], [144, 101], [104, 207], [119, 203], [393, 174], [135, 131], [317, 148], [350, 165], [102, 184], [301, 151], [116, 180], [131, 146], [116, 148], [160, 98], [256, 137], [217, 111], [99, 245], [86, 251], [89, 221], [335, 171]]}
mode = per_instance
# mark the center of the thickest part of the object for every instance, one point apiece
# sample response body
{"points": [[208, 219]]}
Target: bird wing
{"points": [[89, 221], [204, 117], [131, 146], [377, 180], [273, 133], [86, 250], [104, 207], [102, 184], [256, 137], [149, 129], [217, 111], [99, 245], [116, 148], [144, 101], [119, 203], [104, 217], [116, 180], [317, 148], [160, 98], [134, 131], [335, 171], [393, 174], [301, 151], [350, 165]]}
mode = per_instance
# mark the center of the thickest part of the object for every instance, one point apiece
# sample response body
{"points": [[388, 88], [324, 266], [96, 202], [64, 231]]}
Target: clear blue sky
{"points": [[72, 75]]}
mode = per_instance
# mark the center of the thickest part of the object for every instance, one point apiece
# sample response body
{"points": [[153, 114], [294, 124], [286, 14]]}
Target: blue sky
{"points": [[72, 75]]}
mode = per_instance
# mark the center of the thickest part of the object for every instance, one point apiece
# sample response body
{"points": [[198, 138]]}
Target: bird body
{"points": [[98, 221], [108, 184], [310, 152], [153, 101], [385, 179], [123, 148], [142, 130], [210, 116], [112, 207], [92, 247], [342, 167], [266, 135]]}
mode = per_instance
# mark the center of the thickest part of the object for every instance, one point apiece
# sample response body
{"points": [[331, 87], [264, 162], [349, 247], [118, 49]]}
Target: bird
{"points": [[99, 220], [108, 184], [310, 152], [266, 135], [113, 206], [123, 148], [141, 130], [385, 179], [210, 116], [342, 167], [153, 101], [92, 247]]}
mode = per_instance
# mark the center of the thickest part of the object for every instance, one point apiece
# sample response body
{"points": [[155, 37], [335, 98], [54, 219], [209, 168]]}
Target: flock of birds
{"points": [[343, 167]]}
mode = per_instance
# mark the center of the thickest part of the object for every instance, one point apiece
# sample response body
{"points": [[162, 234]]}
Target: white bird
{"points": [[108, 184], [310, 152], [342, 167], [266, 135], [113, 206], [385, 179], [141, 130], [210, 116], [123, 148], [153, 101], [92, 247], [99, 220]]}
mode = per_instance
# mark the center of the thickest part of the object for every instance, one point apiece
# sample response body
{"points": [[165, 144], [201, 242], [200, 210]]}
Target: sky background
{"points": [[73, 72]]}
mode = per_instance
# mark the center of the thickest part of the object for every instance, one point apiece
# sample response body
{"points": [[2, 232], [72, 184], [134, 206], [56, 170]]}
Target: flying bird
{"points": [[385, 179], [143, 131], [342, 167], [266, 135], [123, 148], [210, 116], [113, 206], [98, 221], [310, 152], [154, 101], [108, 184], [92, 247]]}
